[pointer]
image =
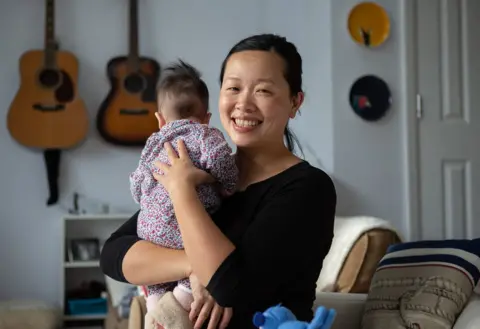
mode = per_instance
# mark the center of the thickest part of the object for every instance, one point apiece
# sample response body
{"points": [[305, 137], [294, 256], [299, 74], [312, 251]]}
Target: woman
{"points": [[267, 242]]}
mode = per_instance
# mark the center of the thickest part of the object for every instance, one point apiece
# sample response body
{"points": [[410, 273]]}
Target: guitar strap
{"points": [[52, 162]]}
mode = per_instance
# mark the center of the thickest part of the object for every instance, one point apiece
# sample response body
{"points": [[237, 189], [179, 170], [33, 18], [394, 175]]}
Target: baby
{"points": [[182, 114]]}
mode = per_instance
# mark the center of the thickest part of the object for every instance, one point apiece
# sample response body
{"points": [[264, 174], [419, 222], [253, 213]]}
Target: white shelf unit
{"points": [[75, 272]]}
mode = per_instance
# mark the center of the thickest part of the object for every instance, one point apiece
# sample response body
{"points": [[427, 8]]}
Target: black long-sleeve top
{"points": [[282, 228]]}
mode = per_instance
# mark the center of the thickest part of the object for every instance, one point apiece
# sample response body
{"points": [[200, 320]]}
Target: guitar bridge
{"points": [[134, 111], [48, 108]]}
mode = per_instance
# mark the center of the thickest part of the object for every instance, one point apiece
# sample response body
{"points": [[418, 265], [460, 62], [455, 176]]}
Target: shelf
{"points": [[76, 273], [97, 217], [86, 317], [81, 264]]}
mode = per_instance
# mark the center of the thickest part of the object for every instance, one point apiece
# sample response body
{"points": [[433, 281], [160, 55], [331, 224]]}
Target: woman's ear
{"points": [[297, 101]]}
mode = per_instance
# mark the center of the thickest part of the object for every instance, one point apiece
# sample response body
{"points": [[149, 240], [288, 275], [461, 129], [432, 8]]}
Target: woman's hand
{"points": [[204, 306], [181, 169]]}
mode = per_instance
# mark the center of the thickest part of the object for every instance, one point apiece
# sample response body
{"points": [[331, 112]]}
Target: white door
{"points": [[448, 72]]}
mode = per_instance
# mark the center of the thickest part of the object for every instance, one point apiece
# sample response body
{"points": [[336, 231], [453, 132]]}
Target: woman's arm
{"points": [[198, 229], [146, 264], [127, 258]]}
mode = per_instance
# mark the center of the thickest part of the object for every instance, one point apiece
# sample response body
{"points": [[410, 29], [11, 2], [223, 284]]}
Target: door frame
{"points": [[410, 126]]}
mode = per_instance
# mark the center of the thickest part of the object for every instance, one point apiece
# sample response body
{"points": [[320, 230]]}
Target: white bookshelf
{"points": [[74, 272]]}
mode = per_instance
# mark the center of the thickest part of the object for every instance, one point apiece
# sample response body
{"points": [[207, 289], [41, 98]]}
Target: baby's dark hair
{"points": [[182, 83]]}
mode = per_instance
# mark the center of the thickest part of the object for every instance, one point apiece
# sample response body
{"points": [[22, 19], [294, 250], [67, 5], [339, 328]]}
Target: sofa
{"points": [[374, 279], [350, 307], [352, 271]]}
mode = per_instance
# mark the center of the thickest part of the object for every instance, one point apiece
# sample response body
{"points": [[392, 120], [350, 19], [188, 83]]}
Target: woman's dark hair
{"points": [[293, 67]]}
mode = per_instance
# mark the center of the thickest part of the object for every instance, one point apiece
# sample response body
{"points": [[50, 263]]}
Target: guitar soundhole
{"points": [[49, 78], [134, 83]]}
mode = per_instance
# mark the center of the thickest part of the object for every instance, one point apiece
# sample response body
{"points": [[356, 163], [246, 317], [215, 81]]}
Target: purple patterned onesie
{"points": [[209, 151]]}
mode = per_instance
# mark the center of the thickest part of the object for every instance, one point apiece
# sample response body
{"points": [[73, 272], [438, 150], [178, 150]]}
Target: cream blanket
{"points": [[347, 231]]}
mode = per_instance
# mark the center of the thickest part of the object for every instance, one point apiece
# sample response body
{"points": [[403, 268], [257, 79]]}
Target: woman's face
{"points": [[255, 102]]}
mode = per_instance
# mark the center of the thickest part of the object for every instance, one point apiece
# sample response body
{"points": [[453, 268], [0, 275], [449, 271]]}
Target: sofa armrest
{"points": [[138, 309], [470, 317], [349, 308]]}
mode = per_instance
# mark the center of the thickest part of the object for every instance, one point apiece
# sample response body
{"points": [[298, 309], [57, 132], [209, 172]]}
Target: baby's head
{"points": [[182, 94]]}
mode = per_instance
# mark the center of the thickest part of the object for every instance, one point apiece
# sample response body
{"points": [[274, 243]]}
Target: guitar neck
{"points": [[50, 44], [133, 57]]}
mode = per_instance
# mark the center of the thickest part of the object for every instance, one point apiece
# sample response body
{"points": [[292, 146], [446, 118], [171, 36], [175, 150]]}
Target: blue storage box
{"points": [[87, 306]]}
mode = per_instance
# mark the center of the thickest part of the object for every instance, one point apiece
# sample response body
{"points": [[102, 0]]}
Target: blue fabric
{"points": [[472, 246]]}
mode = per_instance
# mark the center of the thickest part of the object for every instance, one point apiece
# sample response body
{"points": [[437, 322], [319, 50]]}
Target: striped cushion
{"points": [[423, 284]]}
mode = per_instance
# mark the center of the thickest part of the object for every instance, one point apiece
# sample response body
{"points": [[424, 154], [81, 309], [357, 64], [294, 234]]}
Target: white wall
{"points": [[365, 159], [368, 157], [201, 33]]}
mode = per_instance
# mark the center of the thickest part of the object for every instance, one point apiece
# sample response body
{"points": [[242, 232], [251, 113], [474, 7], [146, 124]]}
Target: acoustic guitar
{"points": [[127, 115], [46, 112]]}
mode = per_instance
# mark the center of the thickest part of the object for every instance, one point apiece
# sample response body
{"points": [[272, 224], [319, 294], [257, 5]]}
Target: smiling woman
{"points": [[266, 243], [256, 97]]}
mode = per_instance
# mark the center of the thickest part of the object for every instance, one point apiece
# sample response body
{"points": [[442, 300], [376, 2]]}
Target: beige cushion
{"points": [[422, 285]]}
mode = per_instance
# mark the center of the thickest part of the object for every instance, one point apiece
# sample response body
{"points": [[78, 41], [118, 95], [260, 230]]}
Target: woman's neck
{"points": [[257, 165]]}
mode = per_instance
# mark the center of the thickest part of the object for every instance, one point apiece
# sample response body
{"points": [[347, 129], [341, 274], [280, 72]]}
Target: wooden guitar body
{"points": [[127, 115], [46, 111]]}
